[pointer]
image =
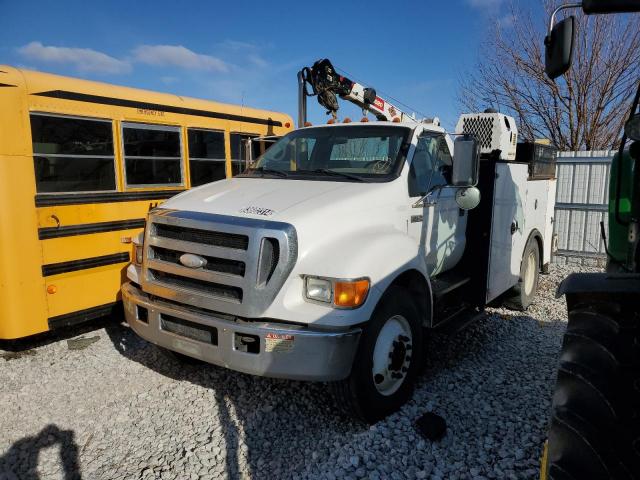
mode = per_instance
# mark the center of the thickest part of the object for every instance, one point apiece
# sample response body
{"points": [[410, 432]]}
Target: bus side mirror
{"points": [[466, 158], [559, 48]]}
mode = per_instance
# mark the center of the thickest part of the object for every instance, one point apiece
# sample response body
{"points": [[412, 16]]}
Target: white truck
{"points": [[335, 253]]}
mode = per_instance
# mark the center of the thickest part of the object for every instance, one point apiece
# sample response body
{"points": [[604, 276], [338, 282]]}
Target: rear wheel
{"points": [[595, 424], [523, 293], [387, 361]]}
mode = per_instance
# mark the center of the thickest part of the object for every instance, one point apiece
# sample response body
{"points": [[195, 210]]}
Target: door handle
{"points": [[514, 227]]}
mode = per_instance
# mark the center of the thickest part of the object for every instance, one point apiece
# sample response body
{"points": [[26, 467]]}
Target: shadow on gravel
{"points": [[266, 423], [23, 345], [21, 460], [278, 428]]}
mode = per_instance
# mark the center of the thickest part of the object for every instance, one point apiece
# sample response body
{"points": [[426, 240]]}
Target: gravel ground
{"points": [[112, 406]]}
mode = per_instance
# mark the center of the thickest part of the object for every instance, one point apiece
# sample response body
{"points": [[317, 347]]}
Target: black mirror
{"points": [[466, 158], [559, 47], [632, 128], [610, 6]]}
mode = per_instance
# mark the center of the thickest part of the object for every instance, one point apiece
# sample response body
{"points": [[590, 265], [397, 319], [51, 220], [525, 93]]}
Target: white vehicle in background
{"points": [[333, 256]]}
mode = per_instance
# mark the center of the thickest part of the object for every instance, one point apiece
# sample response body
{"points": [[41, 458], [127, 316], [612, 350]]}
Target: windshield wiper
{"points": [[268, 171], [326, 171]]}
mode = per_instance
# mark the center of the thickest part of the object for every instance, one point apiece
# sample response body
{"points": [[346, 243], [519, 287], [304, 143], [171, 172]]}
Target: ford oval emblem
{"points": [[192, 261]]}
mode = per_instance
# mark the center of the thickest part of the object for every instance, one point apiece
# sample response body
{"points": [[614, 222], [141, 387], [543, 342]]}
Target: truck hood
{"points": [[255, 197]]}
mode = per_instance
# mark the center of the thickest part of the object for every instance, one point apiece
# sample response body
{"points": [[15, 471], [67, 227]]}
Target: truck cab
{"points": [[331, 256]]}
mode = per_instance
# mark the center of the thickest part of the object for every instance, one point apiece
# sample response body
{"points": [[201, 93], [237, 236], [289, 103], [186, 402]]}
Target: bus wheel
{"points": [[523, 292], [387, 361]]}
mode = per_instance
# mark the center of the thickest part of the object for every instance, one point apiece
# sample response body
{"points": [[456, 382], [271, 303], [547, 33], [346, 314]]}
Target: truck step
{"points": [[459, 320], [447, 283]]}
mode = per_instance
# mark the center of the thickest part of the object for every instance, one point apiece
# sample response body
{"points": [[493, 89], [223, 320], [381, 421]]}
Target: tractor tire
{"points": [[595, 423], [523, 292]]}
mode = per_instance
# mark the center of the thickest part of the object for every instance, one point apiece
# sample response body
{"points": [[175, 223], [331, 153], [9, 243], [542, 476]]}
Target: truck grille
{"points": [[204, 287], [185, 328], [244, 261], [219, 239], [220, 265]]}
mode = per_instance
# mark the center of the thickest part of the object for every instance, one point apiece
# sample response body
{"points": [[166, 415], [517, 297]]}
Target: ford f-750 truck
{"points": [[335, 253]]}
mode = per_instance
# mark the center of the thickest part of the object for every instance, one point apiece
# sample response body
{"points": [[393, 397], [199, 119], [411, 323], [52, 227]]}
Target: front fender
{"points": [[381, 257]]}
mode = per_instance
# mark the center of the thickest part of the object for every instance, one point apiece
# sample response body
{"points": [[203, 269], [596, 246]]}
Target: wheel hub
{"points": [[397, 355], [392, 355]]}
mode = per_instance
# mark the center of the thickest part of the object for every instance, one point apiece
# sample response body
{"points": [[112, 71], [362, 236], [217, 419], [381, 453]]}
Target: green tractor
{"points": [[595, 424]]}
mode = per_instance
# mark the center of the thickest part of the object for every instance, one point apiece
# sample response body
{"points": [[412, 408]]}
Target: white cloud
{"points": [[177, 56], [257, 60], [83, 59]]}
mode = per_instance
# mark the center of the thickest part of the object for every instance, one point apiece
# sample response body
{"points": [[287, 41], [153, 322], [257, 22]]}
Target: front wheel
{"points": [[387, 361]]}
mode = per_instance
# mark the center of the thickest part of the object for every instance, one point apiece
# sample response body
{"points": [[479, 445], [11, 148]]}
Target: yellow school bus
{"points": [[81, 163]]}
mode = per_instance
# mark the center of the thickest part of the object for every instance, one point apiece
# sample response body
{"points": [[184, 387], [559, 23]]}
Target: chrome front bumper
{"points": [[279, 350]]}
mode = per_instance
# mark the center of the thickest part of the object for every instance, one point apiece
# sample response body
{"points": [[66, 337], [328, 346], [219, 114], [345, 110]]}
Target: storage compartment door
{"points": [[508, 228]]}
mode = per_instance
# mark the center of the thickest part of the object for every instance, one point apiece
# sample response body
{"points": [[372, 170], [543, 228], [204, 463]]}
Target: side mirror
{"points": [[466, 158], [610, 6], [468, 198], [632, 128], [559, 48]]}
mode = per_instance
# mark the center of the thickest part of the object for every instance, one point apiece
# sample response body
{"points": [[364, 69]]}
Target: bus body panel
{"points": [[23, 307], [65, 253]]}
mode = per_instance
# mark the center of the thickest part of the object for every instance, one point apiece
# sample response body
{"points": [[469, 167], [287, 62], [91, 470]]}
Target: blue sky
{"points": [[250, 51]]}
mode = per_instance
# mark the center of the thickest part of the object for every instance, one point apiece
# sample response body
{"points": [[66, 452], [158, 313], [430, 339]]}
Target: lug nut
{"points": [[405, 369], [408, 346]]}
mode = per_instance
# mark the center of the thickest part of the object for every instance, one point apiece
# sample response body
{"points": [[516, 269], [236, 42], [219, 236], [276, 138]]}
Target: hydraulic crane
{"points": [[322, 80]]}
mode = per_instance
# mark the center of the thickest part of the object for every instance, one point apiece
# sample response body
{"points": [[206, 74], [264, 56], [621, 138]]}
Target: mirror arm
{"points": [[421, 202], [559, 9]]}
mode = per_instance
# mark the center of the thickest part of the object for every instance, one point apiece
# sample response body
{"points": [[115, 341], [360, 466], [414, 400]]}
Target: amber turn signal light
{"points": [[350, 294]]}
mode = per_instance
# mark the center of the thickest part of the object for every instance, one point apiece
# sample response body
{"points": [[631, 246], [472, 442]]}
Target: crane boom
{"points": [[325, 83]]}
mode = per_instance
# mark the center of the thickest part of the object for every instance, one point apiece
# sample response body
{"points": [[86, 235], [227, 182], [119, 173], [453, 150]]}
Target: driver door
{"points": [[439, 225]]}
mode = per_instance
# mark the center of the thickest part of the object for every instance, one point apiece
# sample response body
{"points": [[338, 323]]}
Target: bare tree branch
{"points": [[583, 110]]}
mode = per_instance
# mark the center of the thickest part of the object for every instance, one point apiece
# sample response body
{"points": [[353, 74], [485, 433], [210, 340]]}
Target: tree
{"points": [[587, 107]]}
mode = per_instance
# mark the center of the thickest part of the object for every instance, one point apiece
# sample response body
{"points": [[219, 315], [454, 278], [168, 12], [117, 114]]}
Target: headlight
{"points": [[319, 289], [138, 249], [337, 292]]}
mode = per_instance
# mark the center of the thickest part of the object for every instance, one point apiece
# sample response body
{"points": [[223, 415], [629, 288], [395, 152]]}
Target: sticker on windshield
{"points": [[278, 343]]}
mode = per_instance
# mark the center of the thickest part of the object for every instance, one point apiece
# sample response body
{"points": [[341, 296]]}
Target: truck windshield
{"points": [[359, 153]]}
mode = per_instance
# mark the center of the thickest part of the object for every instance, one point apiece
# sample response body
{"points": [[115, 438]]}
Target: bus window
{"points": [[151, 155], [72, 154], [238, 154], [206, 156]]}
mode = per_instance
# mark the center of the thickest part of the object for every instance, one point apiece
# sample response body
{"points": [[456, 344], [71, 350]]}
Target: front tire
{"points": [[387, 361]]}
